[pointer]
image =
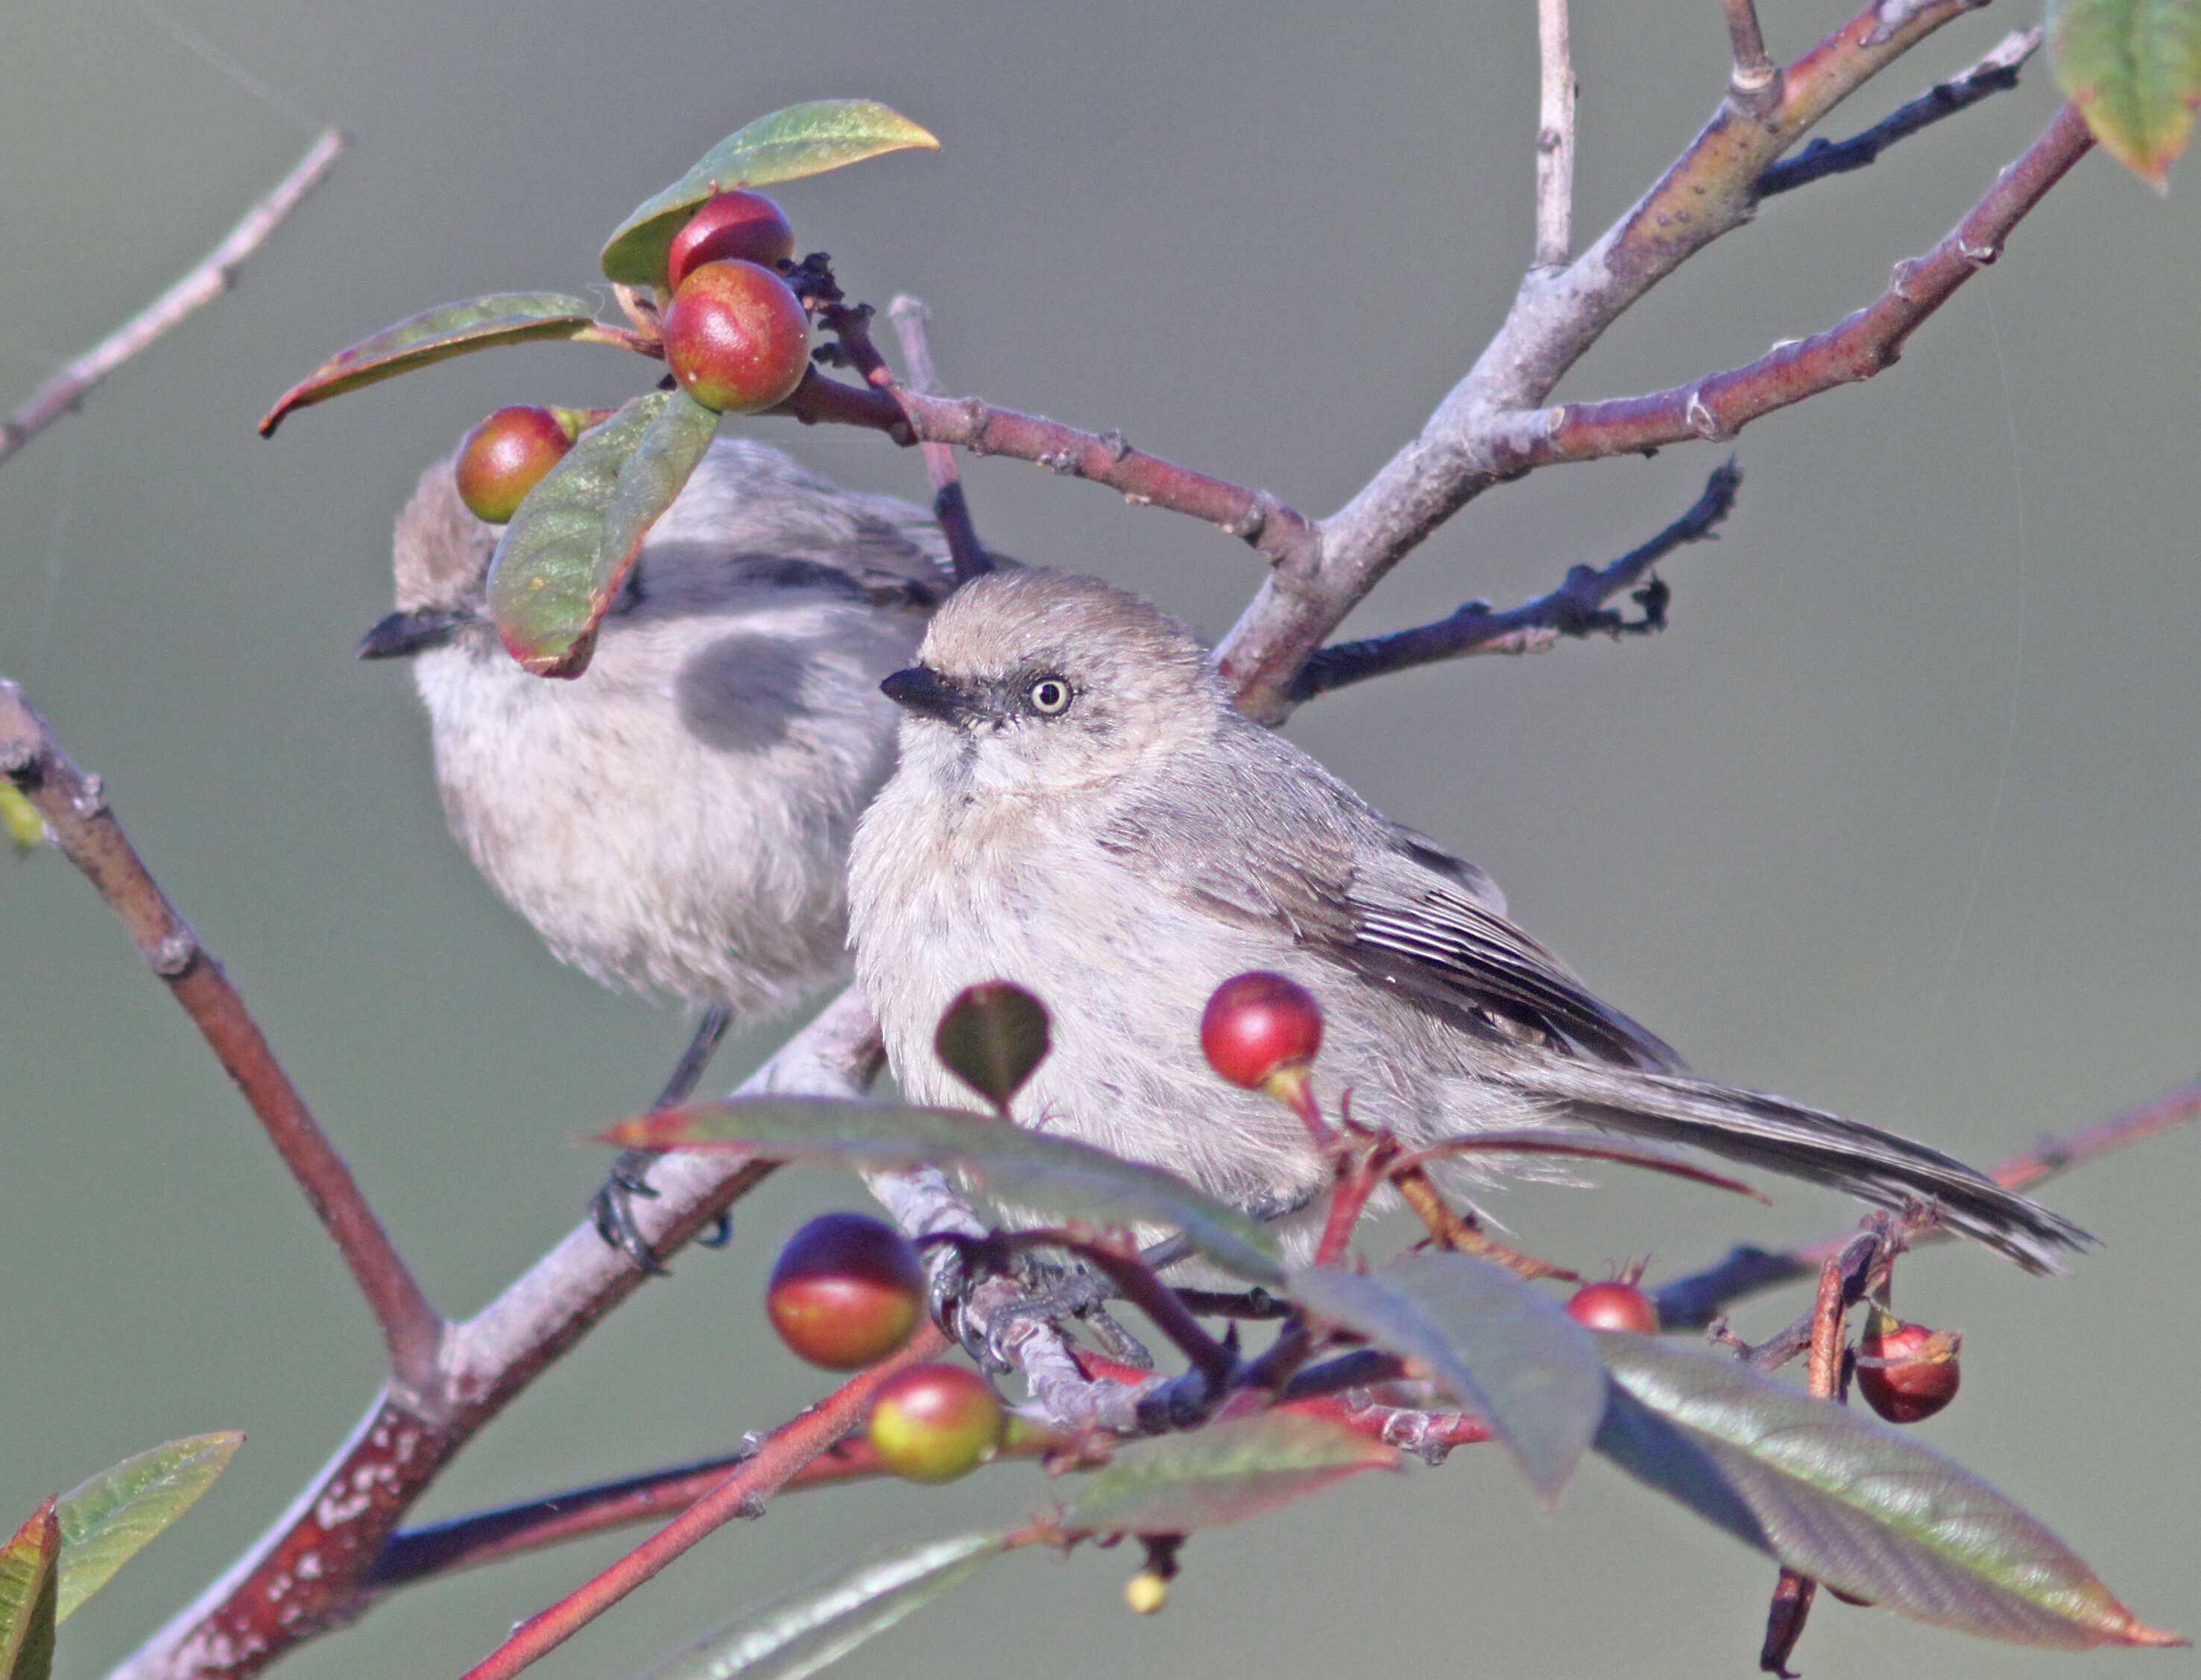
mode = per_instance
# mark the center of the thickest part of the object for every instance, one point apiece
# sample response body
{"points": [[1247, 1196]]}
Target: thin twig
{"points": [[1793, 1592], [207, 281], [76, 813], [1253, 516], [1555, 138], [1754, 81], [743, 1492], [1119, 1259], [1996, 73], [1868, 343], [1696, 1299], [949, 505], [311, 1572], [1576, 607], [1461, 450]]}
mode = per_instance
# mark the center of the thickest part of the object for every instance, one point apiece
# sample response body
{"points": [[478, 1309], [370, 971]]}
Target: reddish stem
{"points": [[1868, 343], [75, 811], [1285, 536], [949, 505], [743, 1492]]}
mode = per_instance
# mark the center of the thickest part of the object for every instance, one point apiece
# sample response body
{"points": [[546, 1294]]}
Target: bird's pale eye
{"points": [[1049, 696]]}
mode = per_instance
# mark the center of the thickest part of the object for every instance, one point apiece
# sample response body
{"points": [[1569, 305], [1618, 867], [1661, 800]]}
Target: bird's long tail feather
{"points": [[1772, 1132]]}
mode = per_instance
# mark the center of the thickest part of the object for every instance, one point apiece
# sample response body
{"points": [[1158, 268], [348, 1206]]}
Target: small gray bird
{"points": [[677, 820], [1080, 809]]}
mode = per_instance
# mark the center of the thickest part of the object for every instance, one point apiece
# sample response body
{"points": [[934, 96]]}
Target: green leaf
{"points": [[1507, 1352], [805, 139], [814, 1628], [1053, 1176], [107, 1518], [436, 335], [2133, 67], [991, 1038], [26, 1597], [1223, 1473], [1849, 1501], [559, 564], [20, 820]]}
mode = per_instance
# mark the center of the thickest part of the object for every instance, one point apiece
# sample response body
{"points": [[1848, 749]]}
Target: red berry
{"points": [[1259, 1026], [1921, 1373], [736, 225], [506, 456], [736, 338], [933, 1423], [1614, 1305], [846, 1291]]}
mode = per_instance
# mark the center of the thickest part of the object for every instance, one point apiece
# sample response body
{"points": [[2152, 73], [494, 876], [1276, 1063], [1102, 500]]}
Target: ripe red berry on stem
{"points": [[1614, 1305], [933, 1423], [846, 1291], [1257, 1025], [1920, 1374], [732, 224], [736, 338], [506, 456]]}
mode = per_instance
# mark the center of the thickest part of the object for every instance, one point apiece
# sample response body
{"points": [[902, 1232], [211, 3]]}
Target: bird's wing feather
{"points": [[1309, 857]]}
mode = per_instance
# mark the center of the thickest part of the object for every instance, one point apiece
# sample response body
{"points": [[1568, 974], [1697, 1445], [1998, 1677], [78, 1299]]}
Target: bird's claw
{"points": [[611, 1210]]}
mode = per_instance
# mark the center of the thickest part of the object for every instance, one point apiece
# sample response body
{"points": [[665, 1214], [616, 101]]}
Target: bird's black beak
{"points": [[402, 635], [924, 692]]}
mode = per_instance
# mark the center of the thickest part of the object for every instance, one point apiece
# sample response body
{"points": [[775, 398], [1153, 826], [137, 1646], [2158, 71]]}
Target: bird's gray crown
{"points": [[1009, 623]]}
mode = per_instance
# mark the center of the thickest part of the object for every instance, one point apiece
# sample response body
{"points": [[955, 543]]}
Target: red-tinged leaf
{"points": [[436, 335], [1848, 1502], [805, 139], [29, 1577], [1223, 1473], [106, 1520], [1055, 1177], [1507, 1352], [991, 1038], [2133, 67], [815, 1626], [559, 564], [1551, 1140]]}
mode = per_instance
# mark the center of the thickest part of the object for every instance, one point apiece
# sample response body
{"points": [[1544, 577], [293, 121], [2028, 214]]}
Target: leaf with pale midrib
{"points": [[805, 139], [815, 1627], [436, 335], [561, 560], [1223, 1473], [1055, 1176], [1847, 1500], [1502, 1349]]}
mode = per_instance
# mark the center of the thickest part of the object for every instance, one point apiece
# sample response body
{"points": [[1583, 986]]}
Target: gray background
{"points": [[1898, 817]]}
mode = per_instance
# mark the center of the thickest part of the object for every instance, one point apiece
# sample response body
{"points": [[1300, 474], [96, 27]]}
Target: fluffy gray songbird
{"points": [[1080, 809], [677, 820]]}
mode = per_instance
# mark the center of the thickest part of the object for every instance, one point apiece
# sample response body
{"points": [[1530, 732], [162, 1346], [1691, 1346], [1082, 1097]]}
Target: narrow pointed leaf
{"points": [[2135, 69], [991, 1038], [805, 139], [807, 1630], [106, 1519], [1507, 1352], [436, 335], [1055, 1176], [1223, 1473], [559, 564], [28, 1571], [1848, 1502]]}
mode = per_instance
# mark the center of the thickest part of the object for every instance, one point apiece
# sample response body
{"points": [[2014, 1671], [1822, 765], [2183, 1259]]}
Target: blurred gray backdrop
{"points": [[1899, 817]]}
